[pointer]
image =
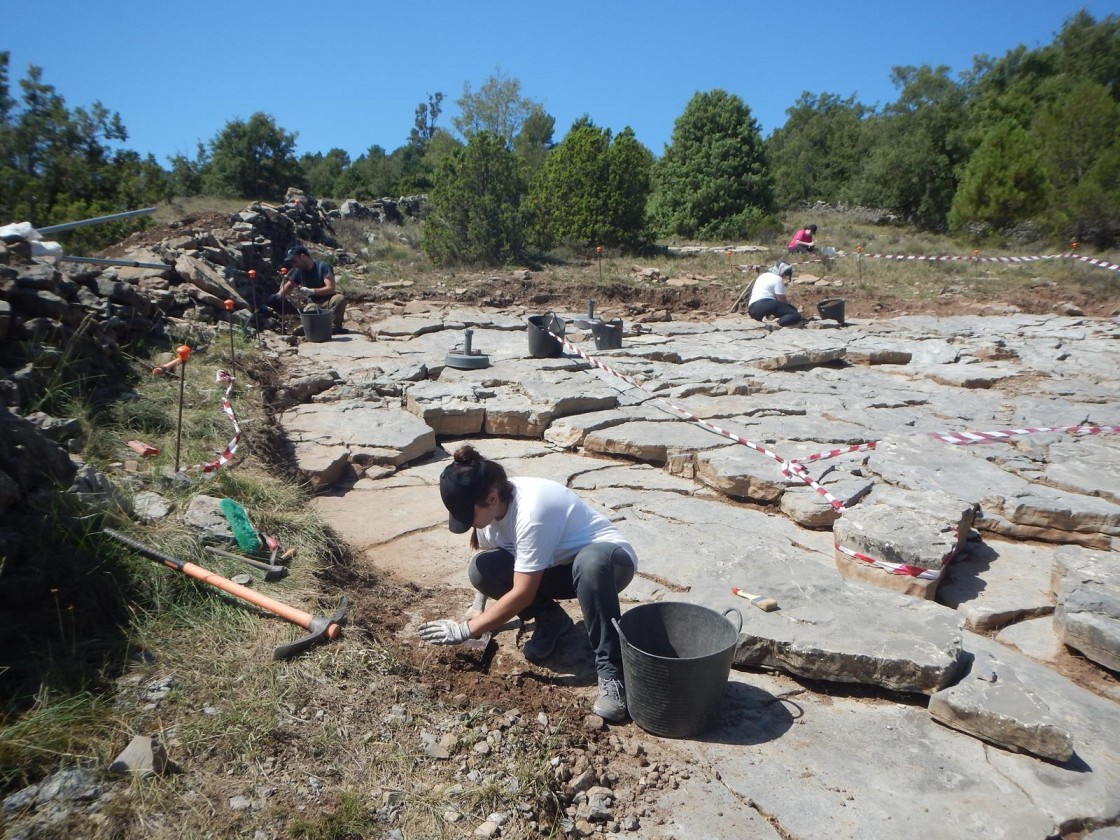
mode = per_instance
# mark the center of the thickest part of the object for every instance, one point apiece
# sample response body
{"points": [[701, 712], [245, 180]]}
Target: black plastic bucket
{"points": [[541, 344], [832, 308], [676, 658], [318, 324], [607, 334]]}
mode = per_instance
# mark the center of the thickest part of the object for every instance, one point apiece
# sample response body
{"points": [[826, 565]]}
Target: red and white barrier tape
{"points": [[966, 438], [939, 258], [978, 259], [795, 467], [226, 455], [788, 468], [833, 453], [897, 568], [1093, 261]]}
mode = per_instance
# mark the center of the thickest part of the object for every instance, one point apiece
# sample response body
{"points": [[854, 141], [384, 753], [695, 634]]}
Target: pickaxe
{"points": [[319, 628]]}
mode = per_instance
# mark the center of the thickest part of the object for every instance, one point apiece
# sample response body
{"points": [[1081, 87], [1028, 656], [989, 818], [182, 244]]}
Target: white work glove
{"points": [[445, 632], [307, 290]]}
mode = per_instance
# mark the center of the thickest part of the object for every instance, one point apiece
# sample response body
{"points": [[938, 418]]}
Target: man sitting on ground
{"points": [[315, 279]]}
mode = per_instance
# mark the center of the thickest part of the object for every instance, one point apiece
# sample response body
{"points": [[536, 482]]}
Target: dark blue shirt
{"points": [[314, 278]]}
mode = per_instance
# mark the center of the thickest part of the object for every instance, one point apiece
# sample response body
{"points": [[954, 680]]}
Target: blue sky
{"points": [[350, 74]]}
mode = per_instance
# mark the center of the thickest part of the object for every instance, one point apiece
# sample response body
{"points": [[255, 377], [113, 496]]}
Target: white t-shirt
{"points": [[546, 525], [767, 286]]}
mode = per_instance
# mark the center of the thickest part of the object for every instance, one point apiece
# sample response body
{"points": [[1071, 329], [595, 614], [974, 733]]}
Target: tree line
{"points": [[1021, 147]]}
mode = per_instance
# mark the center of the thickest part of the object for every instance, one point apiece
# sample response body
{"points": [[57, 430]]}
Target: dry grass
{"points": [[178, 208], [311, 742]]}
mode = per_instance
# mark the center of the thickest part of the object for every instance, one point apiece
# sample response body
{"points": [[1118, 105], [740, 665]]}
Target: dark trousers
{"points": [[595, 577], [786, 313], [336, 304]]}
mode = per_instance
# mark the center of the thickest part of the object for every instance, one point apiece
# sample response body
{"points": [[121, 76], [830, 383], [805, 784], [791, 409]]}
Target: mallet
{"points": [[761, 601], [321, 629]]}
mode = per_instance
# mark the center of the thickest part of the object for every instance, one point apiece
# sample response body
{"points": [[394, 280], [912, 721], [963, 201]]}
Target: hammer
{"points": [[320, 628], [271, 572]]}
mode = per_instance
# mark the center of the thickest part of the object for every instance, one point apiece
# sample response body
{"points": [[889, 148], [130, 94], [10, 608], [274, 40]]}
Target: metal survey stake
{"points": [[232, 358], [256, 312], [183, 352], [599, 254]]}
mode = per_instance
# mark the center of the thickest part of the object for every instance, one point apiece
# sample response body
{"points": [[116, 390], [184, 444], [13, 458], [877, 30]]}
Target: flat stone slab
{"points": [[1087, 584], [694, 543], [830, 628], [652, 442], [995, 583], [1011, 506], [918, 537], [771, 732], [354, 431], [992, 703]]}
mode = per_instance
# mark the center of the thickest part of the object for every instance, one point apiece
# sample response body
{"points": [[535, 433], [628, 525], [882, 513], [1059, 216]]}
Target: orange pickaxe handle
{"points": [[304, 619]]}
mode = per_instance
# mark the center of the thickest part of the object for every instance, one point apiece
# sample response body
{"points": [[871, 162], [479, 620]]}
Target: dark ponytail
{"points": [[492, 473]]}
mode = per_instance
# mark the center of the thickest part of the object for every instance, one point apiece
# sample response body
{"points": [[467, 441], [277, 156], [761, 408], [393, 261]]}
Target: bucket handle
{"points": [[552, 319], [738, 615], [618, 630]]}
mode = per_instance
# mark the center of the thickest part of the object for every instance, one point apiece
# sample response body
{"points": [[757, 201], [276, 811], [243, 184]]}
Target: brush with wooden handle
{"points": [[761, 601]]}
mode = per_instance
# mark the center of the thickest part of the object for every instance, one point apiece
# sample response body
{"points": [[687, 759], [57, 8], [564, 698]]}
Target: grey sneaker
{"points": [[552, 623], [611, 702]]}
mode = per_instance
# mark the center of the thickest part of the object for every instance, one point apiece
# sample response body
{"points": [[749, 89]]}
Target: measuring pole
{"points": [[256, 312], [96, 221], [184, 353], [232, 358]]}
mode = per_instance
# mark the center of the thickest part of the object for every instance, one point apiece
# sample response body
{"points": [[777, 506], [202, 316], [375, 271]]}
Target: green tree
{"points": [[253, 159], [372, 175], [321, 173], [187, 174], [1074, 129], [1094, 204], [592, 190], [1078, 137], [475, 213], [424, 127], [713, 181], [497, 107], [915, 148], [1090, 50], [58, 164], [533, 143], [817, 153], [1004, 181]]}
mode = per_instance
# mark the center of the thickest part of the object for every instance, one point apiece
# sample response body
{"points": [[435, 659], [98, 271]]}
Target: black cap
{"points": [[294, 252], [460, 486]]}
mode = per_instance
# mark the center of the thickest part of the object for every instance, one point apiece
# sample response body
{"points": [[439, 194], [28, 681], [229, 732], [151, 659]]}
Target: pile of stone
{"points": [[66, 320], [384, 210]]}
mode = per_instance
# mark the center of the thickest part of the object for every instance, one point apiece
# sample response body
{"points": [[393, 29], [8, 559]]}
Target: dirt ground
{"points": [[681, 292], [387, 605]]}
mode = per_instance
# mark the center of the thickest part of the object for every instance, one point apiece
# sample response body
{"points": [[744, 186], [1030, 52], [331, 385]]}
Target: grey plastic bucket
{"points": [[318, 324], [541, 344], [607, 334], [832, 308], [676, 658]]}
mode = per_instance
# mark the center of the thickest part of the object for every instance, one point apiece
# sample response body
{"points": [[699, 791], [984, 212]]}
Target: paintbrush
{"points": [[761, 601]]}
